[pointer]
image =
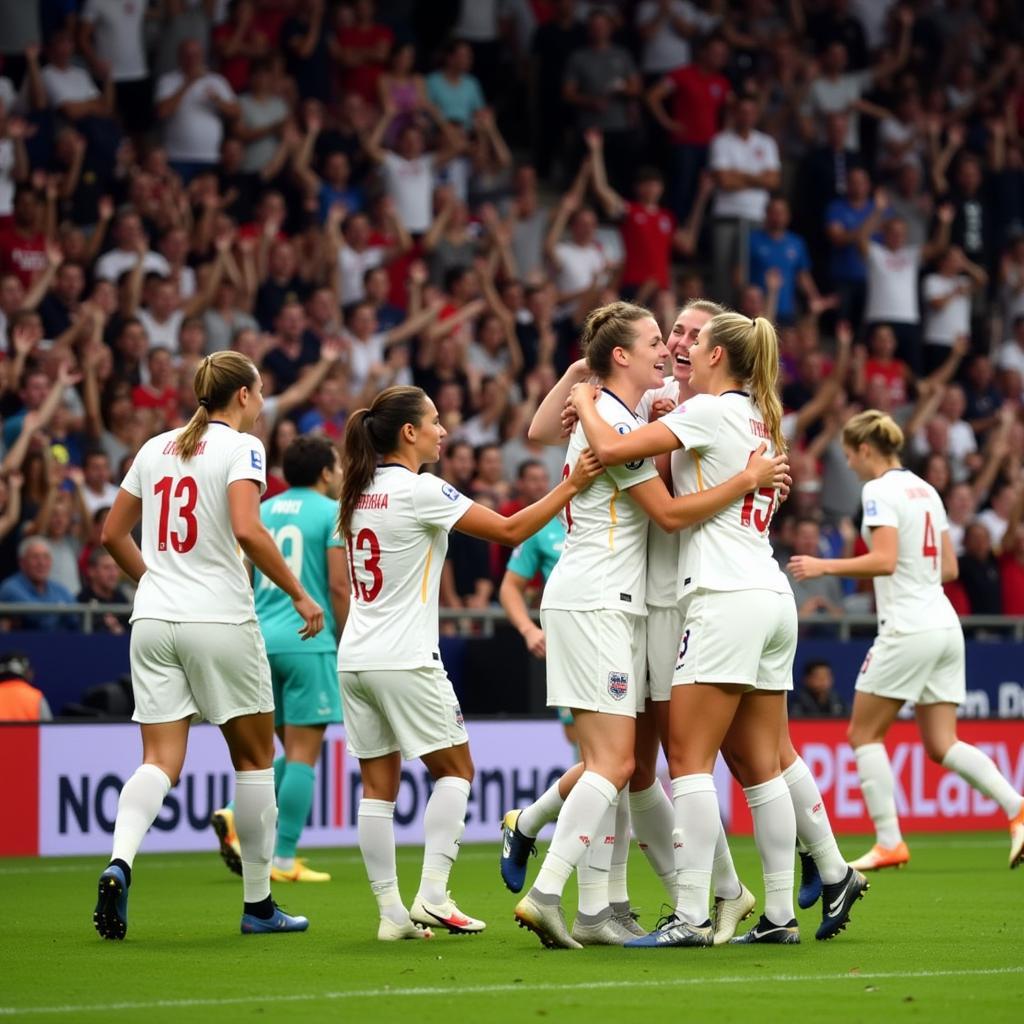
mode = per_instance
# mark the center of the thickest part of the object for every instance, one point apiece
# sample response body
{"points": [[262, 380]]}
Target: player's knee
{"points": [[935, 748]]}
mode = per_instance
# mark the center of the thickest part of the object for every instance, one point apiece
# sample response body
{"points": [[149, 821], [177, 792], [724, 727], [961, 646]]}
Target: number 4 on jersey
{"points": [[930, 548]]}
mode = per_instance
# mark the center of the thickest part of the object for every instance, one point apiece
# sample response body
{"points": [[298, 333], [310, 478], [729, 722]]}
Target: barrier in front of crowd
{"points": [[63, 782]]}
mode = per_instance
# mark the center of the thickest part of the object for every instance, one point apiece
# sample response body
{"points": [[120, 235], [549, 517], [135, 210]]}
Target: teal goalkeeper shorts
{"points": [[306, 690]]}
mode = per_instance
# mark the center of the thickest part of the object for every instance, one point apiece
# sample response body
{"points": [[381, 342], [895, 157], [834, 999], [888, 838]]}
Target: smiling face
{"points": [[649, 355], [428, 434], [682, 336], [704, 357]]}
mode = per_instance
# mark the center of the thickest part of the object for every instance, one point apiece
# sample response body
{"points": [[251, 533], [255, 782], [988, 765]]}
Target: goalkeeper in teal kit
{"points": [[303, 522]]}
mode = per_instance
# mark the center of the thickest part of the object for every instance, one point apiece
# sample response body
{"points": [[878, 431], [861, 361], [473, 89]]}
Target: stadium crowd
{"points": [[356, 194]]}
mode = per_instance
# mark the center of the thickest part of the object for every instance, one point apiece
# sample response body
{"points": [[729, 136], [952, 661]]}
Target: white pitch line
{"points": [[462, 991]]}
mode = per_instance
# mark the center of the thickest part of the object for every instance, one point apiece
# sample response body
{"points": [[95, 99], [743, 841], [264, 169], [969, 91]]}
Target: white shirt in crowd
{"points": [[667, 50], [731, 550], [396, 549], [70, 85], [1011, 356], [911, 600], [662, 546], [117, 27], [113, 263], [994, 523], [162, 333], [838, 96], [578, 266], [953, 320], [962, 443], [753, 155], [363, 356], [411, 184], [352, 266], [193, 133], [194, 571], [603, 564], [94, 502], [892, 284]]}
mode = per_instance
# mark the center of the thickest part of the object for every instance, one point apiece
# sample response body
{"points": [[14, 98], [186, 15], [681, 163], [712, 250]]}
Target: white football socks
{"points": [[594, 869], [256, 825], [653, 821], [775, 836], [376, 823], [137, 807], [813, 828], [724, 879], [876, 783], [444, 821], [544, 809], [618, 886], [578, 823], [978, 769], [696, 817]]}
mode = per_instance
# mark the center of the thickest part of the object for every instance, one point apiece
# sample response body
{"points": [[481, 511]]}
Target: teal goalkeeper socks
{"points": [[294, 799]]}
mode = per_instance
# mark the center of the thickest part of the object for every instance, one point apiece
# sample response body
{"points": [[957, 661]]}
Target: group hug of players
{"points": [[666, 620]]}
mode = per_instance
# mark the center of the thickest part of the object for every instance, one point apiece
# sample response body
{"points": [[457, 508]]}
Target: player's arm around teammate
{"points": [[196, 649], [398, 701]]}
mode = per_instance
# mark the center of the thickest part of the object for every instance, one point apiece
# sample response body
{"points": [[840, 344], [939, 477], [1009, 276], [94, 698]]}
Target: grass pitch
{"points": [[938, 941]]}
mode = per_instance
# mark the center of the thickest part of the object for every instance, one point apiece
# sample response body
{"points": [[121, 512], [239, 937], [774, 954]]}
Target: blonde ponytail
{"points": [[217, 379], [874, 428]]}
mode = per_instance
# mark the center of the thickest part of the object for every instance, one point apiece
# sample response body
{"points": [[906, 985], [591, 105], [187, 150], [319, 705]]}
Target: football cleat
{"points": [[515, 852], [769, 933], [299, 873], [446, 914], [628, 919], [1017, 840], [672, 931], [223, 823], [278, 922], [546, 921], [111, 914], [879, 857], [389, 931], [810, 881], [727, 914], [605, 932], [837, 901]]}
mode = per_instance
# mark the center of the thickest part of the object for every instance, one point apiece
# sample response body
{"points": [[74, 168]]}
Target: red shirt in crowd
{"points": [[24, 255], [1011, 575], [146, 398], [894, 373], [697, 103], [363, 78], [647, 241]]}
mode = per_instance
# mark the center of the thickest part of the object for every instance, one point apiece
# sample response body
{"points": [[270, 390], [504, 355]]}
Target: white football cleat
{"points": [[546, 921], [727, 914], [446, 914], [388, 931]]}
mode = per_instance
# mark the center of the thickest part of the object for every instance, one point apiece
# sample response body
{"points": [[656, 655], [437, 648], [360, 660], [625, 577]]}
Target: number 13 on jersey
{"points": [[364, 548]]}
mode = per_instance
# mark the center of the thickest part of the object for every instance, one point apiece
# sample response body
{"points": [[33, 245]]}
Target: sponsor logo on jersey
{"points": [[625, 428], [870, 507], [450, 492], [618, 684], [256, 459], [626, 598]]}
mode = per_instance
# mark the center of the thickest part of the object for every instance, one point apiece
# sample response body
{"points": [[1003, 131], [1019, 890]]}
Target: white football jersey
{"points": [[662, 546], [194, 568], [731, 550], [911, 600], [604, 561], [396, 550]]}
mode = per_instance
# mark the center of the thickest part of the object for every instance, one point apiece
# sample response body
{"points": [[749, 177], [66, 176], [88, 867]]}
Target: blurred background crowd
{"points": [[357, 194]]}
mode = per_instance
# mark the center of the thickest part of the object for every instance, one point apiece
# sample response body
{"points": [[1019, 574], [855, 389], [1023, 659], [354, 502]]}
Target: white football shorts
{"points": [[746, 637], [596, 660], [926, 668], [412, 710], [664, 629], [212, 670]]}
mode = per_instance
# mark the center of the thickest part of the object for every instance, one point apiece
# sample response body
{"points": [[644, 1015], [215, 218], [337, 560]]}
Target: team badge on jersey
{"points": [[618, 684], [256, 459], [459, 720], [625, 428], [870, 507], [450, 492]]}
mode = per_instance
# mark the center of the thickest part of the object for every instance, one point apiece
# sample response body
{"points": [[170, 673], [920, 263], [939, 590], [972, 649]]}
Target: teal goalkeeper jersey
{"points": [[303, 523], [539, 553]]}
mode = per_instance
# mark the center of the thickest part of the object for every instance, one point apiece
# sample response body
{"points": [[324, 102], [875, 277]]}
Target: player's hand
{"points": [[587, 468], [767, 472], [785, 487], [581, 393], [806, 567], [661, 407], [569, 418], [535, 643], [311, 614]]}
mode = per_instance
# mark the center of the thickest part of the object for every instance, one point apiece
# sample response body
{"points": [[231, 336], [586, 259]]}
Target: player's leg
{"points": [[520, 827], [164, 706], [937, 725], [606, 742], [444, 821]]}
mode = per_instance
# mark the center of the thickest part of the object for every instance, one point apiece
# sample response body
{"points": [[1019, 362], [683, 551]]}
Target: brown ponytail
{"points": [[752, 348], [217, 379], [369, 434]]}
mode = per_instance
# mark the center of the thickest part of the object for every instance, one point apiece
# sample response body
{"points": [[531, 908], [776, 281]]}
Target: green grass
{"points": [[937, 941]]}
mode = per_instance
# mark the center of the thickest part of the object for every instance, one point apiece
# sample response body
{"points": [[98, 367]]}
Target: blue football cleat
{"points": [[673, 931], [515, 852], [772, 934], [280, 922], [111, 914], [837, 901], [810, 881]]}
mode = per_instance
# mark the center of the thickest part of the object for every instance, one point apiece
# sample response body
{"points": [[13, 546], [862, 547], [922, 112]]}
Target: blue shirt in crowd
{"points": [[788, 255], [18, 588], [846, 262]]}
